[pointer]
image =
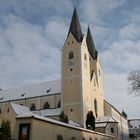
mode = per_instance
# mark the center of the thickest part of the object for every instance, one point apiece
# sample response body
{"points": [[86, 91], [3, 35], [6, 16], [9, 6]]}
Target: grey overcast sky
{"points": [[32, 32]]}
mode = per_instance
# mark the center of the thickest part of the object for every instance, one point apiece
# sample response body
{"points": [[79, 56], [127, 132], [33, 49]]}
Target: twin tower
{"points": [[81, 75]]}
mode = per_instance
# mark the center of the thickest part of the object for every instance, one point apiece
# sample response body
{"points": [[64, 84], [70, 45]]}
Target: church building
{"points": [[59, 109]]}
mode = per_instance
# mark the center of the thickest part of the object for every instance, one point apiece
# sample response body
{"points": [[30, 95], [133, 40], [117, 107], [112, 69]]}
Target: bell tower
{"points": [[79, 75], [71, 71]]}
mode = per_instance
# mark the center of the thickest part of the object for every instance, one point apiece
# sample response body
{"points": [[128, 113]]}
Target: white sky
{"points": [[32, 32]]}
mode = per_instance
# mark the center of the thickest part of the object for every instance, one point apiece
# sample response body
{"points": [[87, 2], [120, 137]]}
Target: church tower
{"points": [[80, 75]]}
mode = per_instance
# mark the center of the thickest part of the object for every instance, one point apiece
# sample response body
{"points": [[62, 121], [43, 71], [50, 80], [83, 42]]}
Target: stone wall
{"points": [[41, 128]]}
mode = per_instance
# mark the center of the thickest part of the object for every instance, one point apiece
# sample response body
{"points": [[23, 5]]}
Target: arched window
{"points": [[91, 75], [71, 55], [96, 107], [112, 130], [99, 72], [59, 104], [90, 121], [8, 110], [33, 107], [85, 56], [73, 138], [59, 137], [46, 105]]}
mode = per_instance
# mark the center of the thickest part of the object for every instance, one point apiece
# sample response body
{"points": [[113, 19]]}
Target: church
{"points": [[59, 109]]}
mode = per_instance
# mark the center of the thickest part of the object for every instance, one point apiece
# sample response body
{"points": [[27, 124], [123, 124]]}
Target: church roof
{"points": [[48, 112], [90, 44], [105, 119], [20, 109], [75, 27], [36, 90]]}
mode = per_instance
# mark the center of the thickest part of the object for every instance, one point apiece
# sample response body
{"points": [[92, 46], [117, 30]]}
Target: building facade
{"points": [[78, 92], [81, 75], [134, 129], [122, 127]]}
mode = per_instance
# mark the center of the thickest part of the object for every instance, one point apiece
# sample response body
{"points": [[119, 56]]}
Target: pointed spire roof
{"points": [[75, 27], [90, 44]]}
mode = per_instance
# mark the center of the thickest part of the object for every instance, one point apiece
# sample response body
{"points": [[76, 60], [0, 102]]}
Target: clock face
{"points": [[71, 62]]}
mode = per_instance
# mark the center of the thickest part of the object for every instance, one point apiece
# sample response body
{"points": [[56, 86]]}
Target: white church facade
{"points": [[37, 110]]}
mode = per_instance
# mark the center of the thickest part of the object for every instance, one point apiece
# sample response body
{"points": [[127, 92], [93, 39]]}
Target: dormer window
{"points": [[1, 98], [71, 55], [48, 90], [23, 94]]}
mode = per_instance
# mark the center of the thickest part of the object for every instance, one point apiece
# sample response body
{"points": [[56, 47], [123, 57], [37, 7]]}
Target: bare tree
{"points": [[134, 82]]}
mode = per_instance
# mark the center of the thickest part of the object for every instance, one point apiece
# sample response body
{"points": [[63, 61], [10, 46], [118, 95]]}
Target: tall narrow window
{"points": [[46, 105], [59, 104], [24, 131], [112, 130], [96, 107], [59, 137], [94, 82], [71, 55], [99, 72], [91, 75], [33, 107], [85, 57], [73, 138]]}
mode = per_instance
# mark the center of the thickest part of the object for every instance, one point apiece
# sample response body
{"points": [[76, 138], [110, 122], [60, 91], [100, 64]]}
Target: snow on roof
{"points": [[24, 110], [42, 89], [25, 115], [105, 119], [101, 124], [135, 123], [19, 109], [48, 112], [71, 122], [58, 122]]}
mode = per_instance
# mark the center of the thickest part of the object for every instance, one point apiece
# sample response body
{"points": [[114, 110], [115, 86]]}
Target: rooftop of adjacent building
{"points": [[36, 90], [103, 121], [134, 123]]}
